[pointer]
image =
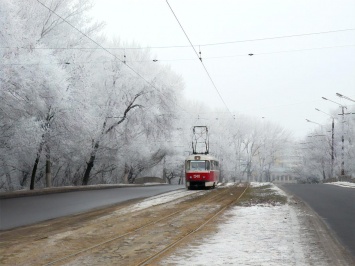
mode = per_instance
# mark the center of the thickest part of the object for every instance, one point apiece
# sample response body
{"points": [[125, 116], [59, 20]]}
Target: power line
{"points": [[99, 45], [278, 37], [262, 53], [183, 59], [105, 49], [187, 46], [198, 56]]}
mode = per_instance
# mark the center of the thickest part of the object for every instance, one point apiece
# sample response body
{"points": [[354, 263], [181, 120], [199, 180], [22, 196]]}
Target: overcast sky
{"points": [[285, 77]]}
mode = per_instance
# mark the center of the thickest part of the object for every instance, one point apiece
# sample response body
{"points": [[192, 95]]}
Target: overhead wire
{"points": [[99, 45], [277, 37], [187, 46], [190, 59], [105, 49], [191, 45], [198, 56]]}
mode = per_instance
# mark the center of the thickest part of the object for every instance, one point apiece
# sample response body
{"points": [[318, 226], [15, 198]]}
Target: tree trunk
{"points": [[164, 171], [104, 131], [90, 164], [249, 172], [8, 176], [45, 137], [34, 169], [164, 175], [48, 167], [126, 173]]}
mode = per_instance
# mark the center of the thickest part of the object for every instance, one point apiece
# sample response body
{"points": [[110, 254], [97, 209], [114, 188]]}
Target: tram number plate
{"points": [[196, 176]]}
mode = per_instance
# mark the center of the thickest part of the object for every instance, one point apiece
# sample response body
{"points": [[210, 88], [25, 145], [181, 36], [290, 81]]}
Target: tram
{"points": [[201, 171]]}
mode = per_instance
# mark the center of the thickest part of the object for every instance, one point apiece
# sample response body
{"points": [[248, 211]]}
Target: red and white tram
{"points": [[201, 171]]}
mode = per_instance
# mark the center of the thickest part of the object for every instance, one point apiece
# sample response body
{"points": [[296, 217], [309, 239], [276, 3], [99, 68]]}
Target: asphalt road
{"points": [[15, 212], [334, 204]]}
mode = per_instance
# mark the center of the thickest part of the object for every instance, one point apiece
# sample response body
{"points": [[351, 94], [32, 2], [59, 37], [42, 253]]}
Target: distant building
{"points": [[283, 168]]}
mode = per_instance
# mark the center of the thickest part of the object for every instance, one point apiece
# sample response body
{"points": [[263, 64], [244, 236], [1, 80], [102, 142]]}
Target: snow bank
{"points": [[342, 184]]}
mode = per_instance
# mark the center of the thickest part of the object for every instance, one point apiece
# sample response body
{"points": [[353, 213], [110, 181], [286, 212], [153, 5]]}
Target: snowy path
{"points": [[260, 235]]}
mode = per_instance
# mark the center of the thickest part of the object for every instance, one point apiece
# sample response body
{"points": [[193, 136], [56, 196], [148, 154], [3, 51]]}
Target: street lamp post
{"points": [[342, 136], [345, 97], [332, 145], [342, 113], [309, 121]]}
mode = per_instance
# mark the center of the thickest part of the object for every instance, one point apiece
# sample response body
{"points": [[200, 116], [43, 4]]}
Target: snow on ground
{"points": [[250, 236], [164, 198], [256, 235], [175, 196], [342, 184], [262, 234]]}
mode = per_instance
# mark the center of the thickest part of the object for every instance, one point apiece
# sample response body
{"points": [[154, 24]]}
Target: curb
{"points": [[55, 190]]}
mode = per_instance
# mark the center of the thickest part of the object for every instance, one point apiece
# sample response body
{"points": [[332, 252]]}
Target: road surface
{"points": [[334, 204], [15, 212]]}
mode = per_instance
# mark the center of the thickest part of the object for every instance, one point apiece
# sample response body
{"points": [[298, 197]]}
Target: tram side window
{"points": [[187, 165], [214, 165], [208, 167]]}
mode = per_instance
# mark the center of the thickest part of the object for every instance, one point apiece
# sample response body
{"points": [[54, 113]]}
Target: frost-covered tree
{"points": [[67, 102], [246, 147], [318, 148], [129, 106], [34, 80], [77, 113]]}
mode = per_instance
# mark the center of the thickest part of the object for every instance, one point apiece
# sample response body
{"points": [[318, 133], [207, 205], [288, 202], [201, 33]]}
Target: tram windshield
{"points": [[197, 165]]}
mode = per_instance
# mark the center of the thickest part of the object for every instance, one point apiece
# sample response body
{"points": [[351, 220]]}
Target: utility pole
{"points": [[332, 143], [332, 166], [342, 173], [342, 139], [342, 143]]}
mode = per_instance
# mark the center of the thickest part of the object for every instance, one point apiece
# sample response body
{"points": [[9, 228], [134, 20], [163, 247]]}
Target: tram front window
{"points": [[199, 165]]}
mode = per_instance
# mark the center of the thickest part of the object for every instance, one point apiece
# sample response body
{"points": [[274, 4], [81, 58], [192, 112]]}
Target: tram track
{"points": [[127, 233], [175, 243], [131, 239], [157, 229]]}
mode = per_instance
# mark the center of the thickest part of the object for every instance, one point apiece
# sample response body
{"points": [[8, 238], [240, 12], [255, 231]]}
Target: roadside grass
{"points": [[263, 195]]}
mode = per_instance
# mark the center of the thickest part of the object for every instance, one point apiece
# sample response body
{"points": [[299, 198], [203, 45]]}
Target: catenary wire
{"points": [[190, 59], [99, 45], [105, 49], [208, 74], [259, 39], [187, 46]]}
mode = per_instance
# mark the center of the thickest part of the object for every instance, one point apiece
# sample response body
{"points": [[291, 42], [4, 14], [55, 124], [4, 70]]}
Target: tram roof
{"points": [[202, 157]]}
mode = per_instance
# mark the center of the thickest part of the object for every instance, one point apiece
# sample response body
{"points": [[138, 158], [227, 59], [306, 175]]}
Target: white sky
{"points": [[284, 87]]}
